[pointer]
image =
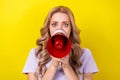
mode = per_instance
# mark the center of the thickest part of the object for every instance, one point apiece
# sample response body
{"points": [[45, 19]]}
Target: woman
{"points": [[77, 65]]}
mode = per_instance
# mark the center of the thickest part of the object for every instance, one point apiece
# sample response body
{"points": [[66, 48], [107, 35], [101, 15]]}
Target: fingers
{"points": [[60, 61], [56, 61]]}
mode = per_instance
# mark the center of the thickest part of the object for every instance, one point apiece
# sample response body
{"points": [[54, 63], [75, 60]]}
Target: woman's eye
{"points": [[53, 24], [66, 24]]}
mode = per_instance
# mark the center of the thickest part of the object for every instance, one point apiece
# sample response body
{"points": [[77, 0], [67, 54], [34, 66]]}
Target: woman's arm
{"points": [[88, 76], [31, 76], [50, 73], [69, 72]]}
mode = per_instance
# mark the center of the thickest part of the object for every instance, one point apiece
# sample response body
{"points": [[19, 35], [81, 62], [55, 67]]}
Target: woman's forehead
{"points": [[59, 17]]}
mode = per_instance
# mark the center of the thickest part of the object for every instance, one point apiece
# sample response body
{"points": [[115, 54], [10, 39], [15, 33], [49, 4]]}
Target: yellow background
{"points": [[21, 20]]}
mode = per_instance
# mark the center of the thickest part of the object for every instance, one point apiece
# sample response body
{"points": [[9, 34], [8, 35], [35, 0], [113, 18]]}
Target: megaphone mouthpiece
{"points": [[59, 32]]}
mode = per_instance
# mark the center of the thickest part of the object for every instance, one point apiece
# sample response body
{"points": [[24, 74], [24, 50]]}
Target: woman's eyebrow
{"points": [[66, 21], [53, 21], [62, 21]]}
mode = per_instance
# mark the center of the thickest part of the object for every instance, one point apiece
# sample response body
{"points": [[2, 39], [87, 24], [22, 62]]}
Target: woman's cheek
{"points": [[51, 32]]}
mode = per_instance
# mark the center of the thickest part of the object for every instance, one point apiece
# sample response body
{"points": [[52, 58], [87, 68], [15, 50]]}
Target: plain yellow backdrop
{"points": [[21, 20]]}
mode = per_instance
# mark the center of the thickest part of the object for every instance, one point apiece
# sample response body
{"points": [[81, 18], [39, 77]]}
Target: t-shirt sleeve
{"points": [[88, 62], [31, 62]]}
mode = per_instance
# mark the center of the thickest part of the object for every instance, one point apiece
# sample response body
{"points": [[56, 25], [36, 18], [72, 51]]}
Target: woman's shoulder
{"points": [[34, 50], [88, 62], [86, 53], [31, 62], [32, 53]]}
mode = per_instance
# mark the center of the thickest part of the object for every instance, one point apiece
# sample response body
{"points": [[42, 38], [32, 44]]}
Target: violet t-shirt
{"points": [[88, 65]]}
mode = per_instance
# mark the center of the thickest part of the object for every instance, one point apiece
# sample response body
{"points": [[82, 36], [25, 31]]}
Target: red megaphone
{"points": [[58, 45]]}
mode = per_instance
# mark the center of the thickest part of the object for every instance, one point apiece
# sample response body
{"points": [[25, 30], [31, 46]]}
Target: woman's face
{"points": [[60, 21]]}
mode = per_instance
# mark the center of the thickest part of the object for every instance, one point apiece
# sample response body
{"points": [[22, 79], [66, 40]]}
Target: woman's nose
{"points": [[59, 26]]}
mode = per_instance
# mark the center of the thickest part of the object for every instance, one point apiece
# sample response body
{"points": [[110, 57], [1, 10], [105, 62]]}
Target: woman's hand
{"points": [[55, 62], [69, 72], [63, 62]]}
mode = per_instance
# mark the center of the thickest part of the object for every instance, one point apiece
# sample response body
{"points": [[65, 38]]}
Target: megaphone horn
{"points": [[58, 45]]}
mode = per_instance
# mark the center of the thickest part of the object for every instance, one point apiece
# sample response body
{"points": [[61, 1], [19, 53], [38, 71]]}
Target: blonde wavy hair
{"points": [[76, 50]]}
